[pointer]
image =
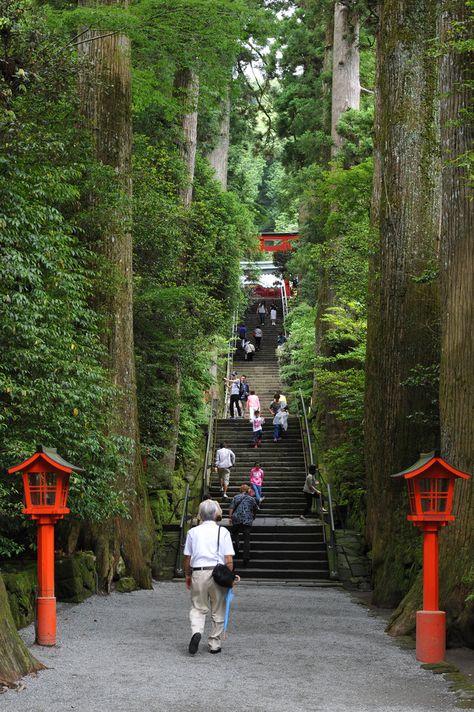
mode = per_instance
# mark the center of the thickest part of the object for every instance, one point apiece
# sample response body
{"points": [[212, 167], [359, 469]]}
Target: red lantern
{"points": [[45, 483], [431, 483]]}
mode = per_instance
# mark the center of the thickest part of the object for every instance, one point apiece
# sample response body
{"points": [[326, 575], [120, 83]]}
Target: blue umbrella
{"points": [[228, 602]]}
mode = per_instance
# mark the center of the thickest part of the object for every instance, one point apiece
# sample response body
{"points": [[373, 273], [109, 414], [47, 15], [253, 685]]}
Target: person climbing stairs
{"points": [[282, 545]]}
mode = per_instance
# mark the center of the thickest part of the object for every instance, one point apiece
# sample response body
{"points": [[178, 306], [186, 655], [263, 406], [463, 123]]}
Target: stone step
{"points": [[283, 551], [253, 572]]}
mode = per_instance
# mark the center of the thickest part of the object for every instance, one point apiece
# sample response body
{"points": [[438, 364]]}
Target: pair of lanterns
{"points": [[430, 484], [46, 484]]}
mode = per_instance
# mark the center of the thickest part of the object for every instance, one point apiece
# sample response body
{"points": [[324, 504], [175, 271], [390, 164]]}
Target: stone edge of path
{"points": [[457, 669]]}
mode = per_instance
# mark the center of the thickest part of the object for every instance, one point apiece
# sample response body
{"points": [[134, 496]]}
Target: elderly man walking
{"points": [[207, 545]]}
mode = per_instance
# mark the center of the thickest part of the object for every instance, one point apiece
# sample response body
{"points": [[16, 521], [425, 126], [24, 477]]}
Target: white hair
{"points": [[209, 510]]}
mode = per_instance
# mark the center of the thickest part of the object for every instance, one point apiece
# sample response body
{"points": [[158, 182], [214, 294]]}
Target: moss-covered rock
{"points": [[166, 553], [21, 589], [127, 584], [75, 577], [352, 562], [75, 580]]}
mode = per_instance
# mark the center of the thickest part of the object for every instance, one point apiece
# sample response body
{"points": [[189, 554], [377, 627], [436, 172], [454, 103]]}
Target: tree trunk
{"points": [[186, 92], [15, 658], [345, 68], [342, 52], [219, 156], [457, 334], [402, 348], [105, 90]]}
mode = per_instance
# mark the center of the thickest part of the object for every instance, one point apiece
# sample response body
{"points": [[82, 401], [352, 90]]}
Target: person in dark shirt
{"points": [[275, 405], [242, 511]]}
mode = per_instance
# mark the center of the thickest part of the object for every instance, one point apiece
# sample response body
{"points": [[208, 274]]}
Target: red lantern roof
{"points": [[50, 455], [425, 461]]}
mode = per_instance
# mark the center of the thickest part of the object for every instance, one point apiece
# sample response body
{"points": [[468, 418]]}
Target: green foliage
{"points": [[297, 356], [181, 306], [53, 386]]}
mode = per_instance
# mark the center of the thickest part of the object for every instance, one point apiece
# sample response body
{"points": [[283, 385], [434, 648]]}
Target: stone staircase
{"points": [[282, 545]]}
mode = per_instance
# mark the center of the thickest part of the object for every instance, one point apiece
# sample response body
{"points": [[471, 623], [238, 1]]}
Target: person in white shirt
{"points": [[201, 553], [258, 333], [261, 311], [249, 349], [234, 384], [225, 459], [273, 315]]}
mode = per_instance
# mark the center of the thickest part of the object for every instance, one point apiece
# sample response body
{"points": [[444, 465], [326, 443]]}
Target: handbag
{"points": [[221, 574]]}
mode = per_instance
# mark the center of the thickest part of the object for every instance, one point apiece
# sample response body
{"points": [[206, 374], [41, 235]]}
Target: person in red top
{"points": [[257, 476]]}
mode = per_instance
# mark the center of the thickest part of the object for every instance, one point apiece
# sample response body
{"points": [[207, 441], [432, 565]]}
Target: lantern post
{"points": [[45, 483], [430, 484]]}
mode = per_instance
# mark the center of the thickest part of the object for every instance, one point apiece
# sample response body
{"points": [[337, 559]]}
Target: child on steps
{"points": [[257, 425]]}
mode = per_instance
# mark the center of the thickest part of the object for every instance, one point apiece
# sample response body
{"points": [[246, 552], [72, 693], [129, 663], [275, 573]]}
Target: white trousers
{"points": [[251, 412], [207, 596]]}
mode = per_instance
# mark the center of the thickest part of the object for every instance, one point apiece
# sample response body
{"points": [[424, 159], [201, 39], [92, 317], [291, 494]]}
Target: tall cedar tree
{"points": [[403, 299], [457, 335], [345, 94], [105, 92]]}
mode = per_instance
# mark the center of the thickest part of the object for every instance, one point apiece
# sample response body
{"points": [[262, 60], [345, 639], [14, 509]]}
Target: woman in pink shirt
{"points": [[253, 404], [256, 481]]}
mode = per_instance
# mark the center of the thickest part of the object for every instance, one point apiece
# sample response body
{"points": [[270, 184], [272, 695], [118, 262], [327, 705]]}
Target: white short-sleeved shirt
{"points": [[201, 545]]}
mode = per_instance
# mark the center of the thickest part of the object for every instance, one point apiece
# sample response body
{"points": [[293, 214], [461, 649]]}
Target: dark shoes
{"points": [[194, 643], [214, 652]]}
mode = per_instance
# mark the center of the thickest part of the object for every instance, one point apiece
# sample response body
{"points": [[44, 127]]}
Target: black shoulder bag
{"points": [[221, 574]]}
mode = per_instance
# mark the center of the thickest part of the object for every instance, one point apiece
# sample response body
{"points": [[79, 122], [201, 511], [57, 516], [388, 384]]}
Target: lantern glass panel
{"points": [[411, 496], [42, 488], [434, 494]]}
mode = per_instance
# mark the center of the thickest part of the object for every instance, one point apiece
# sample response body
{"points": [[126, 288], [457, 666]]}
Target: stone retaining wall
{"points": [[75, 580]]}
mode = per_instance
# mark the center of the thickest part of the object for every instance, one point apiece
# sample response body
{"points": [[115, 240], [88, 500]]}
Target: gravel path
{"points": [[290, 649]]}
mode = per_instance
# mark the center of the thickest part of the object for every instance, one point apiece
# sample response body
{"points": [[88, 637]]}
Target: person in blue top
{"points": [[242, 330], [242, 512]]}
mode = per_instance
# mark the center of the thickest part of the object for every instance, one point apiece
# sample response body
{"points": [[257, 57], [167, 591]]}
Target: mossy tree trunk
{"points": [[105, 91], [219, 156], [345, 68], [342, 54], [403, 321], [15, 658], [186, 93], [457, 333]]}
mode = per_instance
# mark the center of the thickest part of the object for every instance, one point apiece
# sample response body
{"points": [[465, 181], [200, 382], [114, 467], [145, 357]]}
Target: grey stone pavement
{"points": [[289, 649]]}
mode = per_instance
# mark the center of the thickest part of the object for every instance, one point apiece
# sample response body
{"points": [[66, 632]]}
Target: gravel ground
{"points": [[290, 649]]}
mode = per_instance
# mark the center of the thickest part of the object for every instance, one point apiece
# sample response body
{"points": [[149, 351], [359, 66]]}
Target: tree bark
{"points": [[186, 90], [457, 335], [342, 53], [15, 658], [403, 298], [219, 156], [105, 91], [345, 68]]}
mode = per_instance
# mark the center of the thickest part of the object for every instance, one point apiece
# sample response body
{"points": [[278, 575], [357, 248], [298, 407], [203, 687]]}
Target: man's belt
{"points": [[203, 568]]}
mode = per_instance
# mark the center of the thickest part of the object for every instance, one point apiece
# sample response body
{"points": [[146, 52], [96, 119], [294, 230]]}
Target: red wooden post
{"points": [[430, 568], [46, 601]]}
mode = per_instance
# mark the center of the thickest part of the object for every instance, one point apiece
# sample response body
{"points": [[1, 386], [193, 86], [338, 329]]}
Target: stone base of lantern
{"points": [[430, 636]]}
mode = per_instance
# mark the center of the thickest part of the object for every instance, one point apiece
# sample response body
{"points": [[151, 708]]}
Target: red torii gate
{"points": [[277, 241]]}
